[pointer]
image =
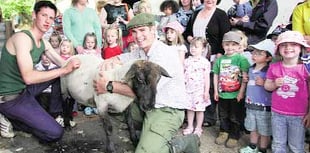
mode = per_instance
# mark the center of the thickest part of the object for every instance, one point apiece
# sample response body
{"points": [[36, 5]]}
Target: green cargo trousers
{"points": [[159, 126]]}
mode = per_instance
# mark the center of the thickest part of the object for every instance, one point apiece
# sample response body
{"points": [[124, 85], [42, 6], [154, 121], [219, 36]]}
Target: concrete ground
{"points": [[88, 137]]}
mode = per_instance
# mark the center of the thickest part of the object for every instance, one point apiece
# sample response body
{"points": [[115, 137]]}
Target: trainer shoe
{"points": [[248, 149], [222, 138], [232, 143], [60, 121], [6, 128]]}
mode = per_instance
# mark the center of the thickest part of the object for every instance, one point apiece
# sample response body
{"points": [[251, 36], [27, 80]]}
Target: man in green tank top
{"points": [[20, 82]]}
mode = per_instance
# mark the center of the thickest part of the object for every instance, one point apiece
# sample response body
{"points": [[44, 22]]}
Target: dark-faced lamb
{"points": [[142, 76]]}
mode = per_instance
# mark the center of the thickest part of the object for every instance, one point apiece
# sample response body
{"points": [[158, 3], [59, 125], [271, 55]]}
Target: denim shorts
{"points": [[257, 120]]}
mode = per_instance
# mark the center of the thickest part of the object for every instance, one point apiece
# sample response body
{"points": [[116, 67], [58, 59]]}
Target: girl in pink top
{"points": [[287, 79], [66, 49], [90, 45]]}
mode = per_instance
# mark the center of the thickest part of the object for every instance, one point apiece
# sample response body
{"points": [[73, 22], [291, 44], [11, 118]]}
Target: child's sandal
{"points": [[198, 131], [188, 131]]}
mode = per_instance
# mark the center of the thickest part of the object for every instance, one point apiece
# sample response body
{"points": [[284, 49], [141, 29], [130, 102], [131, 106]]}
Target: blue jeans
{"points": [[287, 130], [26, 114]]}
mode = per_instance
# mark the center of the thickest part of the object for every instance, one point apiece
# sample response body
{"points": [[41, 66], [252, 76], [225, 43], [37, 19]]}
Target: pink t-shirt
{"points": [[292, 97]]}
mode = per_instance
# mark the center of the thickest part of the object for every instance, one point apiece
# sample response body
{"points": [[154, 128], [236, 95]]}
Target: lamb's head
{"points": [[143, 77]]}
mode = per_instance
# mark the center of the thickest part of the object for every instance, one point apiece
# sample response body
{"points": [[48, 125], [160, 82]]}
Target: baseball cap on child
{"points": [[291, 36], [266, 45], [175, 25], [232, 36]]}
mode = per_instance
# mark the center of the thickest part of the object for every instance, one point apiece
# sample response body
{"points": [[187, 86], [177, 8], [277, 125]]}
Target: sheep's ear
{"points": [[163, 72]]}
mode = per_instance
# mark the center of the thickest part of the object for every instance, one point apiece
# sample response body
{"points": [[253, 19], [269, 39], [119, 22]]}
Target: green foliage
{"points": [[10, 8]]}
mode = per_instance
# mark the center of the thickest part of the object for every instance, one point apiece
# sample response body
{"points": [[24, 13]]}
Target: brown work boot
{"points": [[221, 139], [185, 144], [232, 143]]}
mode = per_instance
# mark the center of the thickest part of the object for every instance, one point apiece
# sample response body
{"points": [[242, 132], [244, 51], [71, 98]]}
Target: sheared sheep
{"points": [[142, 76]]}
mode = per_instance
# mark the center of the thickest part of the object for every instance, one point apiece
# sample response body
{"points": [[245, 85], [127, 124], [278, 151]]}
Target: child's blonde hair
{"points": [[204, 43], [244, 39], [143, 4], [90, 34], [72, 52], [119, 35]]}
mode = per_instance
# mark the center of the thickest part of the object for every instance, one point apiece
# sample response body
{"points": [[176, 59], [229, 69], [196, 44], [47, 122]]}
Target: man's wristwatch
{"points": [[109, 87]]}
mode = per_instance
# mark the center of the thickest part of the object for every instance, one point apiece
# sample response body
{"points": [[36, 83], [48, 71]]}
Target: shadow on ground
{"points": [[87, 137]]}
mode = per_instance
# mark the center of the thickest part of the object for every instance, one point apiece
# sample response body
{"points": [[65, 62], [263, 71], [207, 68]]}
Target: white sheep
{"points": [[142, 76], [79, 84]]}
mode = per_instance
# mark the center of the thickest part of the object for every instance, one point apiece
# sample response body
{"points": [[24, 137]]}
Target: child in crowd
{"points": [[247, 54], [229, 89], [118, 14], [288, 81], [276, 32], [244, 46], [197, 4], [258, 100], [169, 8], [173, 37], [55, 40], [144, 7], [51, 93], [45, 64], [90, 44], [241, 9], [112, 42], [66, 49], [197, 82], [132, 46]]}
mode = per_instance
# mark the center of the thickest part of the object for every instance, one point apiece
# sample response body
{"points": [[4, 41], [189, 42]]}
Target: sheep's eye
{"points": [[140, 80]]}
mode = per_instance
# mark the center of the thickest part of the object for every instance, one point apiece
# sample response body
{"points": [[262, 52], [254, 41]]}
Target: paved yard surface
{"points": [[87, 137]]}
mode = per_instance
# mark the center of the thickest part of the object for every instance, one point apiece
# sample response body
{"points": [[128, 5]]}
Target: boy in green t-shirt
{"points": [[229, 89]]}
